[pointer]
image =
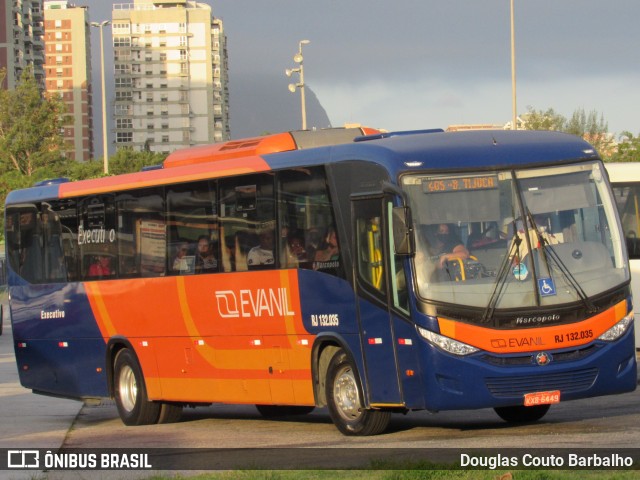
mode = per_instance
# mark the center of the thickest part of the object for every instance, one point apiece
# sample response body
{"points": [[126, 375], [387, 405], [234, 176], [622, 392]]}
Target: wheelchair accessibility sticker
{"points": [[547, 287]]}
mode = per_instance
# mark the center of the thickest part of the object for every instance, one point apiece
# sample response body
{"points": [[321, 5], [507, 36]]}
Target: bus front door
{"points": [[376, 326]]}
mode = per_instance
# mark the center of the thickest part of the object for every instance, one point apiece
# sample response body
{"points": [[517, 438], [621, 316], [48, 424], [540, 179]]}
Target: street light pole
{"points": [[105, 143], [302, 98], [514, 113], [298, 58]]}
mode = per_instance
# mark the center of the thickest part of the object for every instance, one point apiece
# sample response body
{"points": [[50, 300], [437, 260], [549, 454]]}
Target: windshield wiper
{"points": [[501, 277], [549, 253]]}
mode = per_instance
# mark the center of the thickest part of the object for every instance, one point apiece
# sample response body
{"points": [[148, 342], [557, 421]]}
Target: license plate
{"points": [[541, 398]]}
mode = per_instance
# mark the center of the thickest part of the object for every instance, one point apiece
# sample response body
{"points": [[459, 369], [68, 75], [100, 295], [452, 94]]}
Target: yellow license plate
{"points": [[541, 398]]}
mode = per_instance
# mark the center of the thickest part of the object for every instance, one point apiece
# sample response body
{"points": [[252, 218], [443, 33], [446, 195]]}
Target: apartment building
{"points": [[21, 39], [68, 72], [171, 75]]}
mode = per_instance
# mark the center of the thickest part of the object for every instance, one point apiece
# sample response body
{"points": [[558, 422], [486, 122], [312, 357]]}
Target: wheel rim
{"points": [[345, 394], [128, 388]]}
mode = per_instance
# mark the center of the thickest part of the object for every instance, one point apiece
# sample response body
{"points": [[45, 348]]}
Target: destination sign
{"points": [[452, 184]]}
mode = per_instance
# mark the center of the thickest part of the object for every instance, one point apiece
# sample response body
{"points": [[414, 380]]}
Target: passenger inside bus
{"points": [[205, 260], [101, 267], [182, 262], [262, 254], [538, 233], [313, 238], [294, 254], [328, 250]]}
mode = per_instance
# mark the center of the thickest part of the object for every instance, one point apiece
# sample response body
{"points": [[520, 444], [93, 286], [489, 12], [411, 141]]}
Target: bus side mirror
{"points": [[403, 239]]}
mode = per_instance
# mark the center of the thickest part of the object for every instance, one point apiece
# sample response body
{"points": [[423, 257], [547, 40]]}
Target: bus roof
{"points": [[626, 172], [258, 146], [453, 151], [398, 152]]}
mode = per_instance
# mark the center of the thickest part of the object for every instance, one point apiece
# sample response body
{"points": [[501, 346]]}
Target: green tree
{"points": [[539, 120], [628, 148], [128, 161], [30, 128], [124, 161], [30, 137], [591, 127]]}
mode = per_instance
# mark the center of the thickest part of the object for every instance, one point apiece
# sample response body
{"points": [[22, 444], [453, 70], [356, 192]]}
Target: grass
{"points": [[411, 474]]}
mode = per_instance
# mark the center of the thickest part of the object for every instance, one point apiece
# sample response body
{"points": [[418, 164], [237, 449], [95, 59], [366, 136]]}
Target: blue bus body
{"points": [[373, 327]]}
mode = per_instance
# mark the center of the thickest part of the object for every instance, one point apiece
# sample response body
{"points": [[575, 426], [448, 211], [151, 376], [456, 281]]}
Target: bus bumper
{"points": [[484, 380]]}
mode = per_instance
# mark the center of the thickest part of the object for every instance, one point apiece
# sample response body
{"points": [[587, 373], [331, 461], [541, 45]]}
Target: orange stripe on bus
{"points": [[293, 323], [163, 176], [99, 308], [530, 339], [248, 391]]}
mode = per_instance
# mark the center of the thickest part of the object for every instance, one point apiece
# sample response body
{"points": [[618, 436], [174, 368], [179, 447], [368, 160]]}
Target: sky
{"points": [[414, 64]]}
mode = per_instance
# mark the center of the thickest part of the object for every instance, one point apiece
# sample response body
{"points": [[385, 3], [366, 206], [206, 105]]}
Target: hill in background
{"points": [[264, 105]]}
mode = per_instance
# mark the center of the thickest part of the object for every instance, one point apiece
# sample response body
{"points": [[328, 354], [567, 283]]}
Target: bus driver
{"points": [[448, 246]]}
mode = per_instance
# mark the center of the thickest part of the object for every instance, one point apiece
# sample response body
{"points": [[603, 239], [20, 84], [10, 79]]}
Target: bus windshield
{"points": [[498, 240]]}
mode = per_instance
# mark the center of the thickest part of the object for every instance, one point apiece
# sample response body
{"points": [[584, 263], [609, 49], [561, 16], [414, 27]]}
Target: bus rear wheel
{"points": [[345, 402], [170, 413], [522, 414], [130, 391]]}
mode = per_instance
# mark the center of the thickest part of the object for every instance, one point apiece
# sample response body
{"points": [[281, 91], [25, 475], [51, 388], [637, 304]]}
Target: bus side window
{"points": [[628, 202], [370, 259], [97, 232], [141, 233], [247, 223], [41, 241], [55, 263], [370, 244], [12, 238], [30, 258], [305, 215], [192, 220]]}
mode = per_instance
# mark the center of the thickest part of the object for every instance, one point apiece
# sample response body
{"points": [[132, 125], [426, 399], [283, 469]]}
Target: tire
{"points": [[344, 399], [274, 411], [130, 391], [170, 413], [522, 414]]}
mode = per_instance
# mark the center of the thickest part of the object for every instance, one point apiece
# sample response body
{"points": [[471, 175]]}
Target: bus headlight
{"points": [[447, 344], [618, 329]]}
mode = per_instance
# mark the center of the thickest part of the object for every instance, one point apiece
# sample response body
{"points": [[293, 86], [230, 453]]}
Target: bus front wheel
{"points": [[522, 414], [131, 398], [345, 402]]}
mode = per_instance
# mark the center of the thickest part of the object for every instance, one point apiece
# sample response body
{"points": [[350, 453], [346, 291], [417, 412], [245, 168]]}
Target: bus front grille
{"points": [[529, 359], [573, 381]]}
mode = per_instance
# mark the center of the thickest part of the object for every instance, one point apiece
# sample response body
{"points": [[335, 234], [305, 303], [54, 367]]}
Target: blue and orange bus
{"points": [[303, 270]]}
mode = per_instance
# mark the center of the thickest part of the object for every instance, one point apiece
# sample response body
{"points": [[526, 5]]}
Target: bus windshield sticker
{"points": [[520, 271], [547, 287]]}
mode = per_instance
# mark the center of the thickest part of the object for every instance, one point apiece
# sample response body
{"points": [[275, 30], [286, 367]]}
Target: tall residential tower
{"points": [[171, 79], [68, 72], [21, 39]]}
